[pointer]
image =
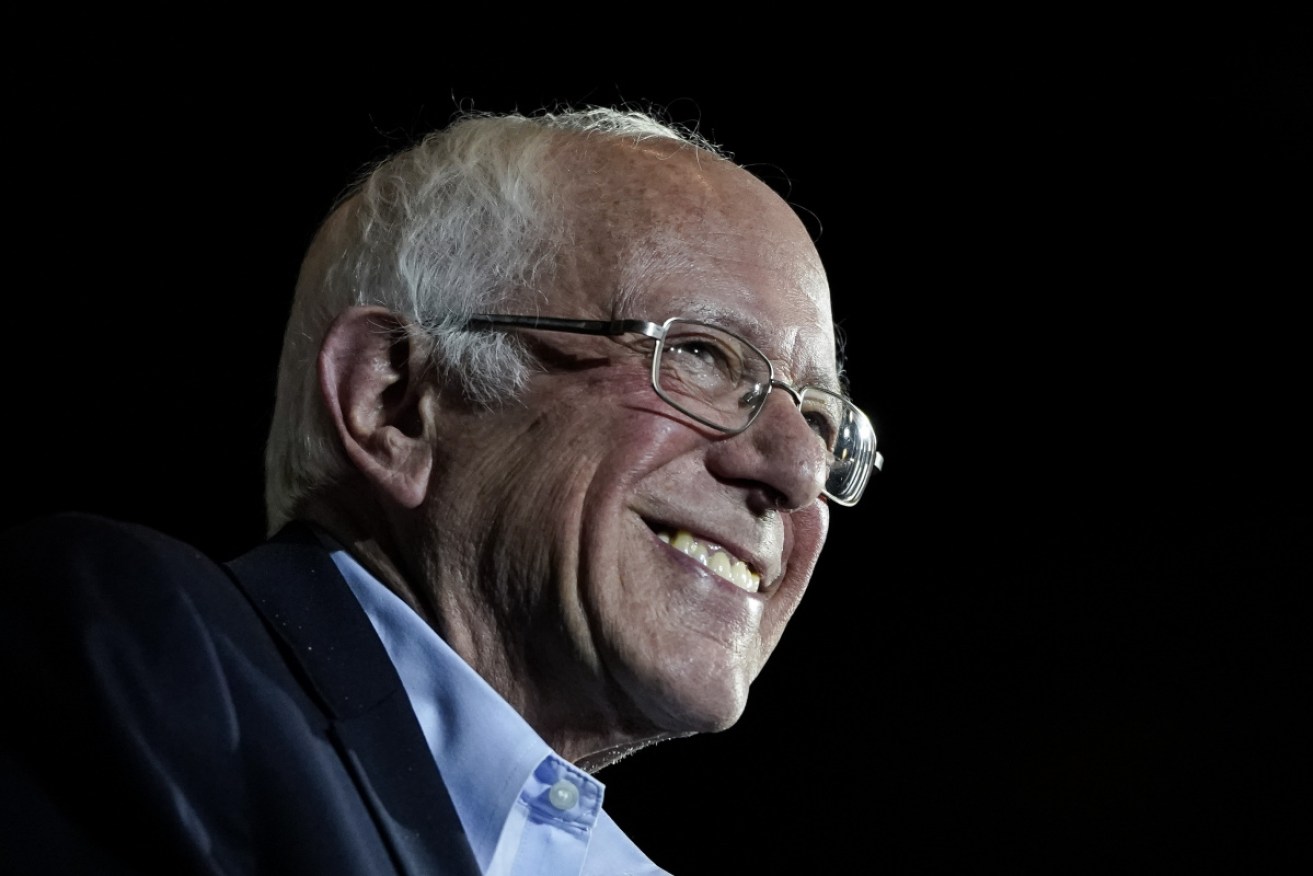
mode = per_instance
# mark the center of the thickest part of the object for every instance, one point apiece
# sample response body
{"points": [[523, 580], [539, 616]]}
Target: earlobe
{"points": [[372, 376]]}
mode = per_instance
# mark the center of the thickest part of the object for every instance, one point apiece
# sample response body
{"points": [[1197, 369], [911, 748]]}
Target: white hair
{"points": [[461, 222]]}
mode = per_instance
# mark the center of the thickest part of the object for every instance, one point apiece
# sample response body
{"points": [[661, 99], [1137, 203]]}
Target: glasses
{"points": [[722, 381]]}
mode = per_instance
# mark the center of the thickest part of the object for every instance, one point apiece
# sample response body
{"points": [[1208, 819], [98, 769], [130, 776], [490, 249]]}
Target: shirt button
{"points": [[563, 795]]}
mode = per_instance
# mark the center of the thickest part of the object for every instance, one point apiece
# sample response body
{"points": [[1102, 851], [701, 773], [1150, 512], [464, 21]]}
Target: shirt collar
{"points": [[465, 721]]}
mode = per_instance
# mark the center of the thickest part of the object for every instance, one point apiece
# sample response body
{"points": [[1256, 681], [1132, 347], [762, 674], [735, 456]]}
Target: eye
{"points": [[826, 413], [702, 358], [822, 424], [698, 348]]}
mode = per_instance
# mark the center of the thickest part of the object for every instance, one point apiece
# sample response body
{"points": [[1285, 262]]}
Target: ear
{"points": [[372, 367]]}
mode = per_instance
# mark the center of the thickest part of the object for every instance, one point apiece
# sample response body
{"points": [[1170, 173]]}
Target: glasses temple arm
{"points": [[556, 324]]}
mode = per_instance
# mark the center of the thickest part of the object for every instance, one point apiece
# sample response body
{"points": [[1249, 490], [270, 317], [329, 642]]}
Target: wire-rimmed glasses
{"points": [[721, 380]]}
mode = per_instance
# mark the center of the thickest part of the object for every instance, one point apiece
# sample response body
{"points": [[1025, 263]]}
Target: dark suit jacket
{"points": [[165, 713]]}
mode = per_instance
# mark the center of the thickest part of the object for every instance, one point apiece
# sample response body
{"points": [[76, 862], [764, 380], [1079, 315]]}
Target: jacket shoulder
{"points": [[91, 535]]}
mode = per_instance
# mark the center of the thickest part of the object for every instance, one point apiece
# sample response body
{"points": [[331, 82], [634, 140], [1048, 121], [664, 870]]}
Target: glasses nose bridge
{"points": [[794, 394], [801, 468]]}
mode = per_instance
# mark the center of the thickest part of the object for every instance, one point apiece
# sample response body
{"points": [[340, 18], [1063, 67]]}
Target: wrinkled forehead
{"points": [[661, 229]]}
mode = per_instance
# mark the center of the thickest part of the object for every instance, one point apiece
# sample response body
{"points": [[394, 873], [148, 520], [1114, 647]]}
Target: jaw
{"points": [[677, 643], [716, 635]]}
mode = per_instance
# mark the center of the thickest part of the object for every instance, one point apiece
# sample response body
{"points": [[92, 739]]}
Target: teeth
{"points": [[718, 560]]}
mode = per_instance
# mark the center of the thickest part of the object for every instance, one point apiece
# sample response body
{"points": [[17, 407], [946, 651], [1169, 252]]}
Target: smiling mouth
{"points": [[716, 558]]}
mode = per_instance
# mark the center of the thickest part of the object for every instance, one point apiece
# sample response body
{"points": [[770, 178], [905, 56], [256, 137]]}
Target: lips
{"points": [[716, 558]]}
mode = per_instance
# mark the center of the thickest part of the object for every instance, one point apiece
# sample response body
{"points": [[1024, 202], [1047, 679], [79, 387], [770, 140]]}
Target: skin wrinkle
{"points": [[534, 534], [665, 248], [662, 257]]}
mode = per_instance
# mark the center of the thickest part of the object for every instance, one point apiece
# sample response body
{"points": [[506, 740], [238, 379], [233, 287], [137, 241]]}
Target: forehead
{"points": [[661, 230]]}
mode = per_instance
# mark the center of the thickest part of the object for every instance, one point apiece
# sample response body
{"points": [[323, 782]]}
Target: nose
{"points": [[779, 452]]}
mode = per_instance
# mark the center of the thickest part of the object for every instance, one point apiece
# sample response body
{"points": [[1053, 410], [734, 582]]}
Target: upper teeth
{"points": [[717, 559]]}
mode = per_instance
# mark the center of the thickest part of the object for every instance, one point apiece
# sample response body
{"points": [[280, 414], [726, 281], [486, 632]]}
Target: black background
{"points": [[1062, 629]]}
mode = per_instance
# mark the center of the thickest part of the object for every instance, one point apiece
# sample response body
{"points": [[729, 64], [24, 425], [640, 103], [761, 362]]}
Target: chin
{"points": [[684, 709]]}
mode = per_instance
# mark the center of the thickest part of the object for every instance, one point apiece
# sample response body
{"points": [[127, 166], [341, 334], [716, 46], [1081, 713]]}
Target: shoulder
{"points": [[112, 630], [79, 539], [84, 563], [147, 685], [86, 594], [107, 623]]}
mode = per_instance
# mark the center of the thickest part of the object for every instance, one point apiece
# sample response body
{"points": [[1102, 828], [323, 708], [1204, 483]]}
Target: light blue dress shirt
{"points": [[526, 810]]}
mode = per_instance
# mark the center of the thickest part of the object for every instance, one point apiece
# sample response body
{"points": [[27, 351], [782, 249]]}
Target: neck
{"points": [[590, 732]]}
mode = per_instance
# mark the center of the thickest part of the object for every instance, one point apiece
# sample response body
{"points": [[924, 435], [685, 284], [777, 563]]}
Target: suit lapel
{"points": [[293, 582]]}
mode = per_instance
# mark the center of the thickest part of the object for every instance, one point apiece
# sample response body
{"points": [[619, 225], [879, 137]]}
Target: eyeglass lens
{"points": [[722, 380]]}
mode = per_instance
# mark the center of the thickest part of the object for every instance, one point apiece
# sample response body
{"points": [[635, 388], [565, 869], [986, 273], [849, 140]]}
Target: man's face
{"points": [[562, 505]]}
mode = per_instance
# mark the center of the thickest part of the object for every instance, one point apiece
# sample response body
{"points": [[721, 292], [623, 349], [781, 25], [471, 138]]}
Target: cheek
{"points": [[633, 433], [808, 530], [582, 423], [512, 497], [593, 469]]}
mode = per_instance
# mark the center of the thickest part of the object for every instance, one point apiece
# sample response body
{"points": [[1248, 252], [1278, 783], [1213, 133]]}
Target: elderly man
{"points": [[558, 425]]}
